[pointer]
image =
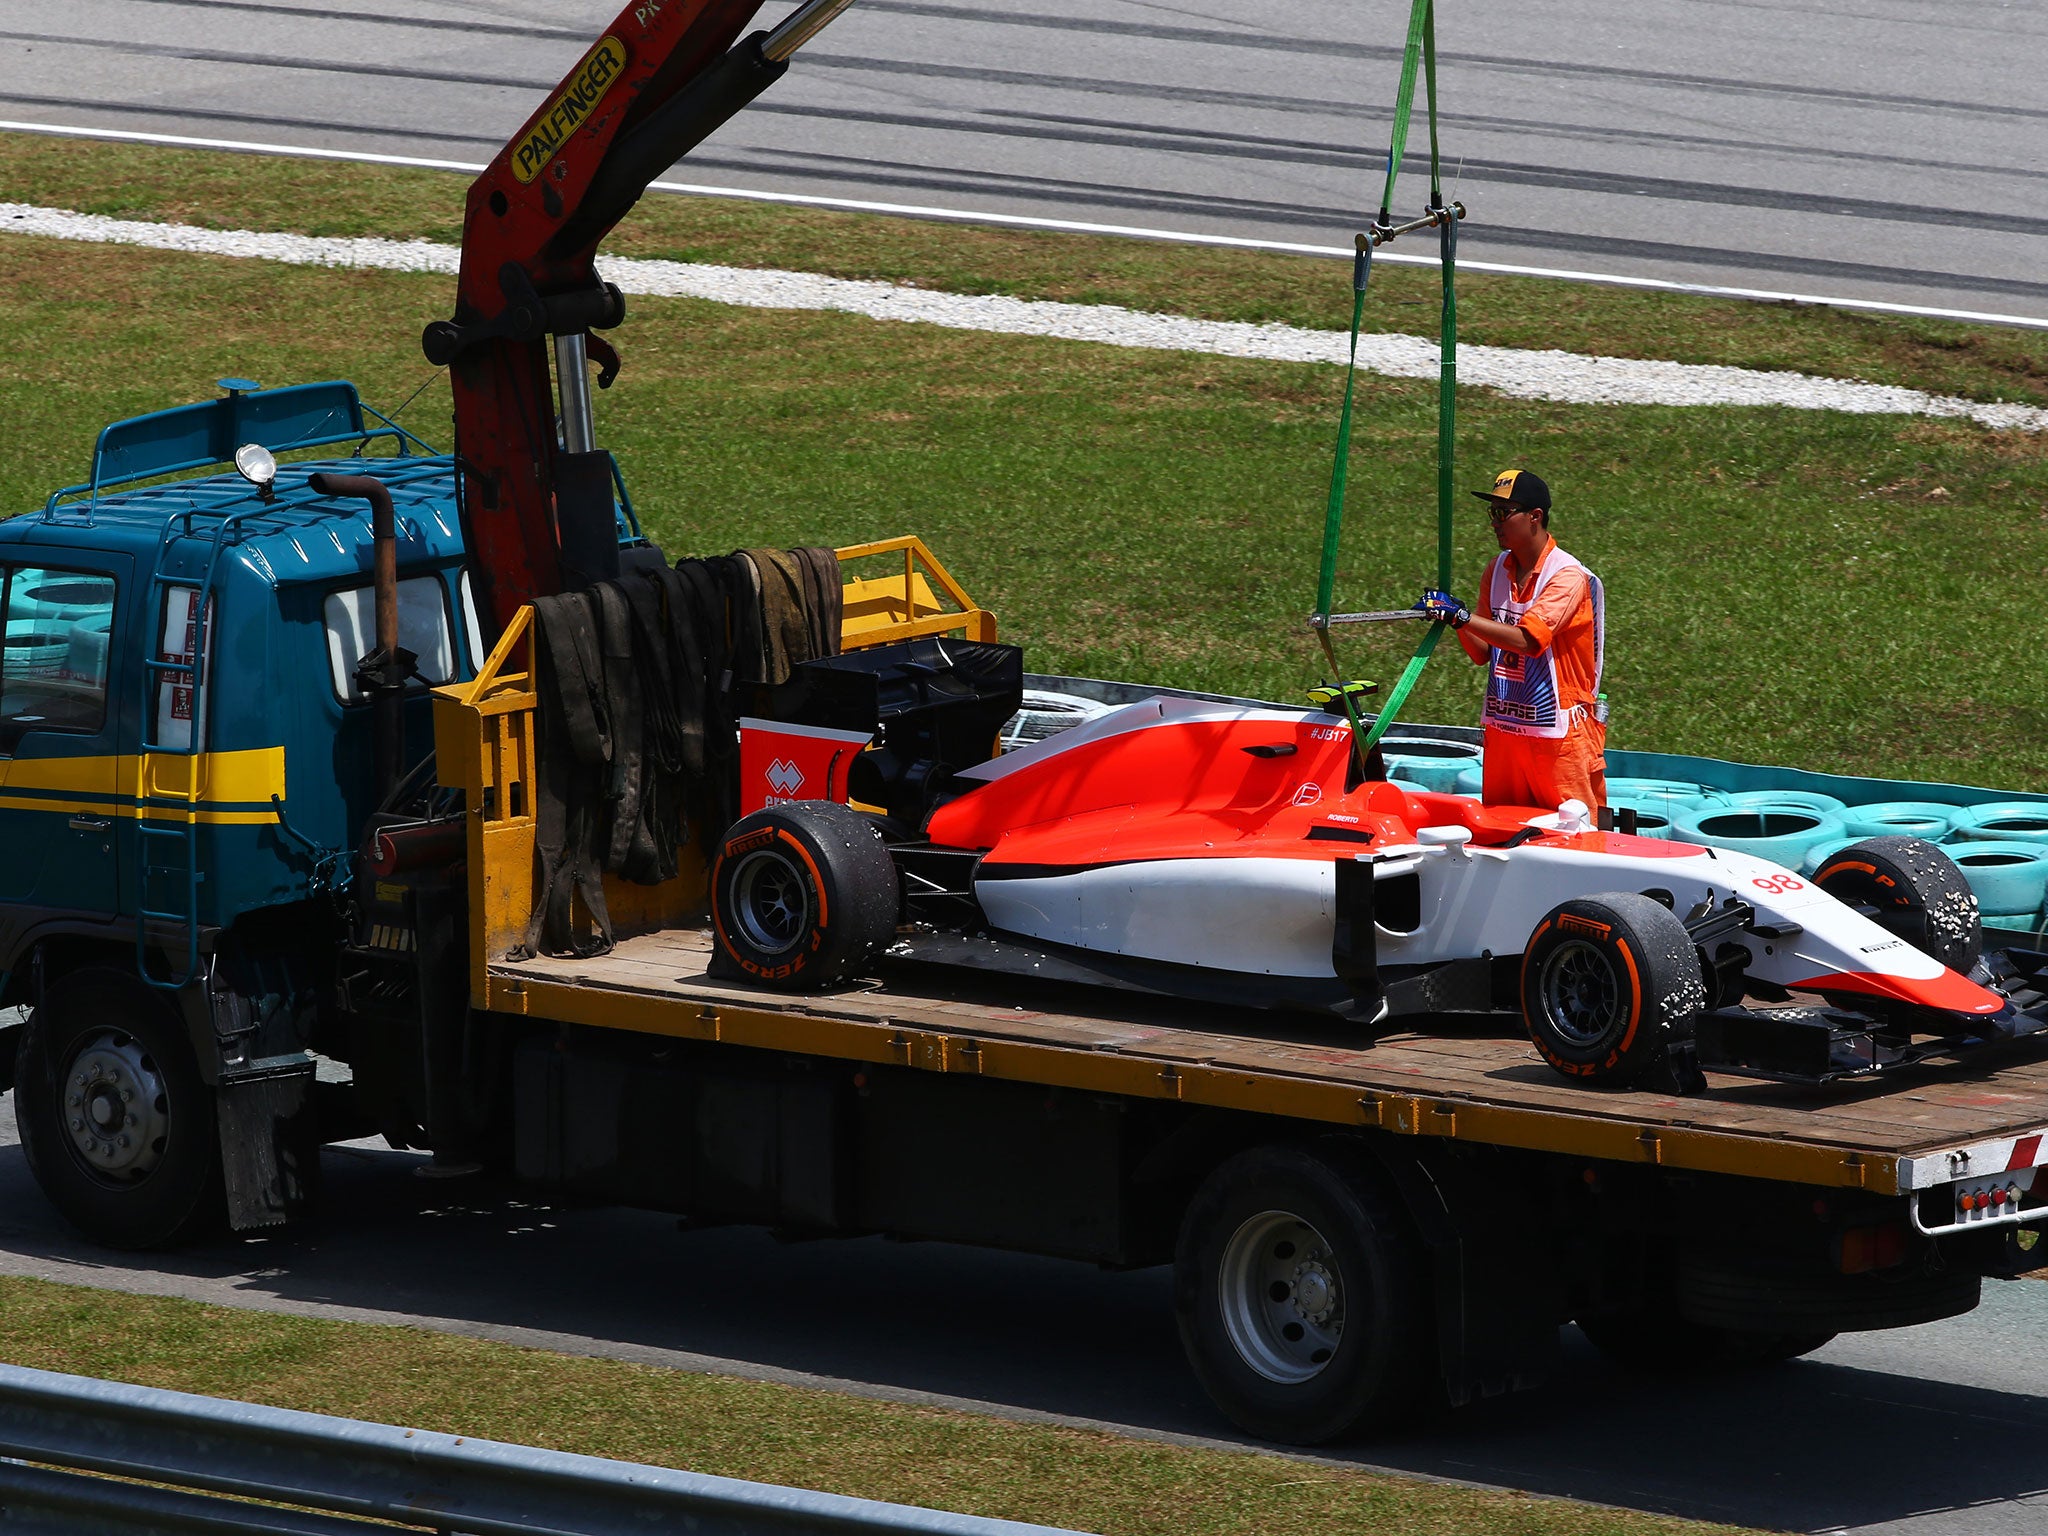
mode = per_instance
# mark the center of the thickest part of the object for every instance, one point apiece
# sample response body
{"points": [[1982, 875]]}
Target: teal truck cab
{"points": [[188, 757], [227, 849]]}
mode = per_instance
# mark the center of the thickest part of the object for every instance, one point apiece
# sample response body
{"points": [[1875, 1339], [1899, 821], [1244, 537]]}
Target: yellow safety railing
{"points": [[484, 746], [881, 610]]}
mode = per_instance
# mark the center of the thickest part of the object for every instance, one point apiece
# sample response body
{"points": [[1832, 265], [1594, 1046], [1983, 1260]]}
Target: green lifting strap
{"points": [[1420, 50]]}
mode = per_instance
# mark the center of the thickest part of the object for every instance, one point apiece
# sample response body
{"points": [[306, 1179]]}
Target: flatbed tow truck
{"points": [[1491, 1199], [206, 727]]}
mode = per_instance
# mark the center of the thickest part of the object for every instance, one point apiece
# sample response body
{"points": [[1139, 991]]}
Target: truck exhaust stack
{"points": [[383, 672]]}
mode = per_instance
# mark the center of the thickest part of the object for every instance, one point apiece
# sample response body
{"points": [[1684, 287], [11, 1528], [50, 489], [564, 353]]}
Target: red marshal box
{"points": [[780, 762]]}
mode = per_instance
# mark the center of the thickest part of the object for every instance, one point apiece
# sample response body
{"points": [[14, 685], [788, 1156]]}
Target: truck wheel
{"points": [[1913, 891], [115, 1121], [803, 894], [1301, 1298], [1663, 1344], [1608, 982]]}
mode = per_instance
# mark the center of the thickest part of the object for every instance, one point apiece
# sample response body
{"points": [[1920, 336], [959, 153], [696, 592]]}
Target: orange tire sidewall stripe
{"points": [[1635, 998], [717, 871]]}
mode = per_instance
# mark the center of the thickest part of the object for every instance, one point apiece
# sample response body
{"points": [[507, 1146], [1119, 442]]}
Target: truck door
{"points": [[59, 726]]}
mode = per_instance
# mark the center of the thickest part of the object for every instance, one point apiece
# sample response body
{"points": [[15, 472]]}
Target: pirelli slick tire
{"points": [[802, 895], [117, 1125], [1913, 891], [1303, 1296], [1609, 983]]}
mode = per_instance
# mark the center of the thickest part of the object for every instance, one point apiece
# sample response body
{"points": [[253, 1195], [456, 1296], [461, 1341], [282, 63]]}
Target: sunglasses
{"points": [[1502, 514]]}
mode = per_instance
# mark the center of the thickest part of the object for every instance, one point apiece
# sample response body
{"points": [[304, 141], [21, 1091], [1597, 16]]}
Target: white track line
{"points": [[1070, 226], [1561, 376]]}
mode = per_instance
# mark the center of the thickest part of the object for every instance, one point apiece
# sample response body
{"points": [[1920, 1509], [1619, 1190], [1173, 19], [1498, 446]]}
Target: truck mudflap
{"points": [[256, 1010], [1497, 1297], [257, 1101]]}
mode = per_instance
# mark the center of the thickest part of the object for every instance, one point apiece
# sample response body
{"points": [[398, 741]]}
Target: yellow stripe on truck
{"points": [[232, 788], [255, 774]]}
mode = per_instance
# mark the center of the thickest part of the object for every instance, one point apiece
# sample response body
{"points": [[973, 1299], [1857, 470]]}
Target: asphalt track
{"points": [[1886, 150], [1932, 1431]]}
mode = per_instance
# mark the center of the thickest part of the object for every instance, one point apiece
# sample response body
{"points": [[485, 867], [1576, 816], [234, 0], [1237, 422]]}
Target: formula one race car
{"points": [[1235, 853]]}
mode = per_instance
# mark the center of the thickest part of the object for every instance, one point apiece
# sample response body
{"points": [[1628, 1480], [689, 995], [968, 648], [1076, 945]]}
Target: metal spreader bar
{"points": [[1383, 616], [1381, 234]]}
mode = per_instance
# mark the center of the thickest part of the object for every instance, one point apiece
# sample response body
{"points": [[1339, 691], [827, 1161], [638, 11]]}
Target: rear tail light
{"points": [[1868, 1248]]}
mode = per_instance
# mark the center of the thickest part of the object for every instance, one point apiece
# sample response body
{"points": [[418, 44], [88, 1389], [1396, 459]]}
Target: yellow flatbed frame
{"points": [[1465, 1086]]}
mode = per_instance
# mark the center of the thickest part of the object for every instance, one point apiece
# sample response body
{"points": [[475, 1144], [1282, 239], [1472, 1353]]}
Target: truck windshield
{"points": [[424, 628]]}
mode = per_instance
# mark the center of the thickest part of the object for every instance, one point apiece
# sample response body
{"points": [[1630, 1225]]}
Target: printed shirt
{"points": [[1560, 621]]}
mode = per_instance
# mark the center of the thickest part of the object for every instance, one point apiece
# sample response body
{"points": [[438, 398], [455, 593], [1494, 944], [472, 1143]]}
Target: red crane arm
{"points": [[538, 516]]}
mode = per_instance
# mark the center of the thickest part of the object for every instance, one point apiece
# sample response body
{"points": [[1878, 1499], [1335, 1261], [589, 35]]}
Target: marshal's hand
{"points": [[1439, 607]]}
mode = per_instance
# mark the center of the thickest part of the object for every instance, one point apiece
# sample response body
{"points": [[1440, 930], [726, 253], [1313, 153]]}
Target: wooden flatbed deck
{"points": [[1466, 1082]]}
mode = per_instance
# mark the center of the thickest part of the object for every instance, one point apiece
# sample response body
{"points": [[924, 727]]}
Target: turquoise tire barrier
{"points": [[1472, 781], [1653, 817], [2004, 821], [1821, 852], [1436, 765], [1782, 835], [1675, 795], [2010, 879], [1928, 819], [1787, 800], [1431, 773]]}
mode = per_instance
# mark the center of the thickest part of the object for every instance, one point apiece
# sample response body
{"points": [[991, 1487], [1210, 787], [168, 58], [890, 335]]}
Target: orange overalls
{"points": [[1543, 743]]}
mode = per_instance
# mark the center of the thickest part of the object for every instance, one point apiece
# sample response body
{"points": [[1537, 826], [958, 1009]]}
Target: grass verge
{"points": [[1851, 593], [758, 1431], [336, 198]]}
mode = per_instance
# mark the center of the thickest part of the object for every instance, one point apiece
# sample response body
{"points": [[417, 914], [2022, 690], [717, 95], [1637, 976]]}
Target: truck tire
{"points": [[1732, 1293], [802, 895], [1608, 983], [1302, 1297], [1913, 891], [1663, 1344], [116, 1123]]}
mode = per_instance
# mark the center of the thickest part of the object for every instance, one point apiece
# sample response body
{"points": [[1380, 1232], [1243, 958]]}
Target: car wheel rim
{"points": [[115, 1109], [770, 902], [1282, 1297], [1582, 997]]}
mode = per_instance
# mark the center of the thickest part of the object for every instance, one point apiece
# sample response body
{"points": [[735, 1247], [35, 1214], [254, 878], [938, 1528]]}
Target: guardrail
{"points": [[343, 1477]]}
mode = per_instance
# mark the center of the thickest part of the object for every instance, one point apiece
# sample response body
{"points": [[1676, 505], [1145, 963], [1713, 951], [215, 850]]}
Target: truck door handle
{"points": [[91, 823]]}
